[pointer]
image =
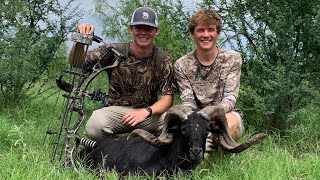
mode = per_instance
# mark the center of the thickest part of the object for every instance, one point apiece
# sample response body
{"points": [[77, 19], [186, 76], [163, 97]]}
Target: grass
{"points": [[25, 150]]}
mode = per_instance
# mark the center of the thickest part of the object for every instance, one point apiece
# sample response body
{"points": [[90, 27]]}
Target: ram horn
{"points": [[221, 134], [174, 116]]}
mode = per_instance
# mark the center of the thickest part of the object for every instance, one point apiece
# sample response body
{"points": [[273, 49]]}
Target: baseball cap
{"points": [[144, 16]]}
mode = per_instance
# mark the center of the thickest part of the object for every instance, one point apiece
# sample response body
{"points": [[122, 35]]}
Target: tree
{"points": [[32, 32], [280, 47]]}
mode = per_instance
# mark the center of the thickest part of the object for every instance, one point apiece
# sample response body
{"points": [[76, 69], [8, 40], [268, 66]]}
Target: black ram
{"points": [[180, 146]]}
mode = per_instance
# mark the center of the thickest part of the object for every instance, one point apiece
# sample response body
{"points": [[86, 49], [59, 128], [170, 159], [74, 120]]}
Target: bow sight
{"points": [[74, 82]]}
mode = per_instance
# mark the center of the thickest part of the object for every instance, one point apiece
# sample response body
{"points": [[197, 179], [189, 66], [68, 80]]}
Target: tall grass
{"points": [[25, 150]]}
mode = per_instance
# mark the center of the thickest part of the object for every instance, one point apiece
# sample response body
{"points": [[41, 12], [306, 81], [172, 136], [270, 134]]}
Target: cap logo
{"points": [[145, 15]]}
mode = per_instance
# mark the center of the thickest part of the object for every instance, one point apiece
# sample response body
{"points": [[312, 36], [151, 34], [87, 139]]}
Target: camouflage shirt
{"points": [[217, 83], [137, 82]]}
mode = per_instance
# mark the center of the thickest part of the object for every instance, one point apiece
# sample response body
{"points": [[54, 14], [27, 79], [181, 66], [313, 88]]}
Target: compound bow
{"points": [[75, 93]]}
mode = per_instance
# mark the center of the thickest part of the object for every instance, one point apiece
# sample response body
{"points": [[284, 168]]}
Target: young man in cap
{"points": [[210, 75], [140, 88]]}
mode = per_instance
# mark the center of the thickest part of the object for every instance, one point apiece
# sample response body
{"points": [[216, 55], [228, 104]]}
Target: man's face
{"points": [[143, 35], [205, 36]]}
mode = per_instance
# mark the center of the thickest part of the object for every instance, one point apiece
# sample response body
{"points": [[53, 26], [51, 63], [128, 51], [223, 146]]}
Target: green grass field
{"points": [[25, 150]]}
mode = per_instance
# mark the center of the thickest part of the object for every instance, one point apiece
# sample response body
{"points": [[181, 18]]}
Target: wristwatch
{"points": [[150, 111]]}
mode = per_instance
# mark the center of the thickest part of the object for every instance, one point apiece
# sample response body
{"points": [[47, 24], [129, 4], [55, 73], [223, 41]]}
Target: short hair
{"points": [[205, 16]]}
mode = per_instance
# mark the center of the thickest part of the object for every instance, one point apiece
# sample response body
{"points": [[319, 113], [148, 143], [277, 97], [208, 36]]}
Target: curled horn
{"points": [[221, 134], [174, 116]]}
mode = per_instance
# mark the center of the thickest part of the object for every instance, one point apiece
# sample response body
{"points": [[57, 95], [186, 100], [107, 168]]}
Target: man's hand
{"points": [[86, 29], [132, 118]]}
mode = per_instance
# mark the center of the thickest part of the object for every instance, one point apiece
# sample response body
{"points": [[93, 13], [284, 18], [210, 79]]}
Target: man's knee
{"points": [[235, 125], [95, 127]]}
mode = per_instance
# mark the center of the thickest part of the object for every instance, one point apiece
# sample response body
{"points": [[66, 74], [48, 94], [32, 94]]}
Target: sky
{"points": [[87, 7]]}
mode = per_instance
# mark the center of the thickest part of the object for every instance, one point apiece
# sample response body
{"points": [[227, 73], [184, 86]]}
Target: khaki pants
{"points": [[108, 120]]}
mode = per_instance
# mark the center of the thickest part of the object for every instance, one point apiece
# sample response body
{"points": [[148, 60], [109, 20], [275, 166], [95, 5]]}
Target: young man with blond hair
{"points": [[210, 75]]}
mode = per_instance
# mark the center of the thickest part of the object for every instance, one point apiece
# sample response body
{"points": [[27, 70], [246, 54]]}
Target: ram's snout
{"points": [[196, 154]]}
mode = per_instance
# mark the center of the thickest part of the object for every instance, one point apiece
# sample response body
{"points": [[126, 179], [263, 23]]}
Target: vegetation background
{"points": [[279, 42]]}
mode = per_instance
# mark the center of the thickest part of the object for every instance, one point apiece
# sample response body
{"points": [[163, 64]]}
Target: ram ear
{"points": [[173, 124], [173, 128]]}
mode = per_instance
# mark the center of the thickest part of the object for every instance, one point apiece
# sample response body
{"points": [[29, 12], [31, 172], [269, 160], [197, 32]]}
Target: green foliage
{"points": [[32, 33], [279, 42], [173, 18], [305, 134]]}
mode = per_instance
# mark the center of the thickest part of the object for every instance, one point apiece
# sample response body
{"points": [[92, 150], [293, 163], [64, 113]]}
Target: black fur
{"points": [[138, 156]]}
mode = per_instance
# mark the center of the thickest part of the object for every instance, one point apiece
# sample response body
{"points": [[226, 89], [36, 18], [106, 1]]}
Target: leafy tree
{"points": [[280, 47], [173, 19], [32, 32]]}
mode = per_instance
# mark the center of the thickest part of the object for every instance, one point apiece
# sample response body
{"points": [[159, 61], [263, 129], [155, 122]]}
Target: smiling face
{"points": [[205, 36], [205, 27], [143, 35]]}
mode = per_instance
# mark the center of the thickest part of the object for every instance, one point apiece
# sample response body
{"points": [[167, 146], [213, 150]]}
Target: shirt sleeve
{"points": [[95, 55], [184, 86], [166, 77], [232, 85]]}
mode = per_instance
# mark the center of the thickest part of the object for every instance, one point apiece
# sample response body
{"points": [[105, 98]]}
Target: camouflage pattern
{"points": [[137, 82], [81, 38], [201, 85]]}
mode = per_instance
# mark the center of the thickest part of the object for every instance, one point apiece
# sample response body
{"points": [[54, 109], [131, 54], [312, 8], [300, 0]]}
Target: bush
{"points": [[304, 134], [31, 39]]}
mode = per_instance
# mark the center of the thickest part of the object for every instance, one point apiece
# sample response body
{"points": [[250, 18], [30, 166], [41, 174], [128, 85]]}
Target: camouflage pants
{"points": [[108, 120]]}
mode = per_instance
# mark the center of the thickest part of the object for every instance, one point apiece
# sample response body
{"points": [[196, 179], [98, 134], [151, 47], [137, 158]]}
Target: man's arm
{"points": [[232, 84], [162, 105]]}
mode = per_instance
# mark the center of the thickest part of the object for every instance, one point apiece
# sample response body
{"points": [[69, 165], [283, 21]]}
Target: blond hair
{"points": [[205, 16]]}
